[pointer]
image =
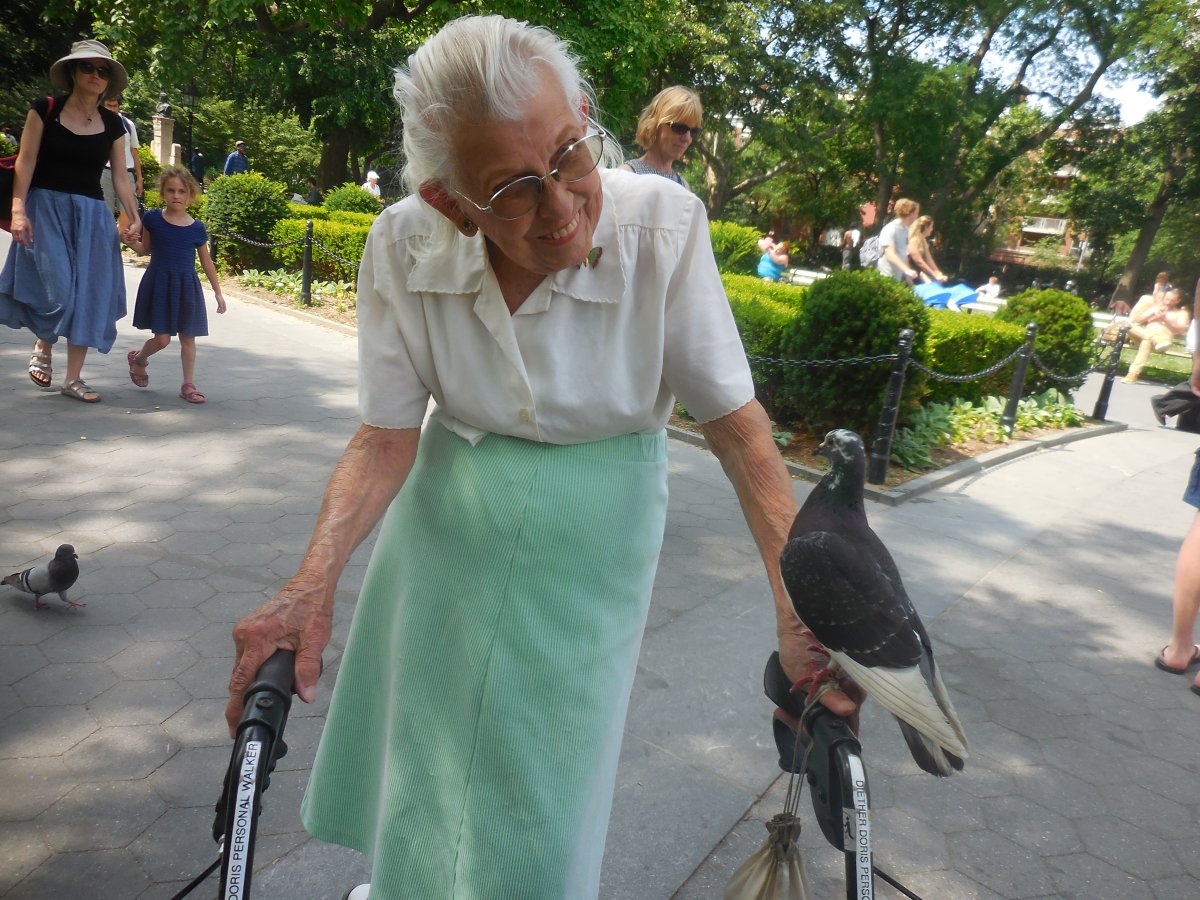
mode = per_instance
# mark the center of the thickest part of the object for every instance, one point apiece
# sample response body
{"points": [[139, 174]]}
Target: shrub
{"points": [[248, 205], [848, 314], [349, 197], [303, 211], [150, 166], [1064, 336], [7, 147], [959, 344], [346, 240], [354, 218], [762, 311], [153, 200], [735, 246]]}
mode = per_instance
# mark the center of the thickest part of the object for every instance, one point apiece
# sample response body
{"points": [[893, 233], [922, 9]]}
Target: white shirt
{"points": [[591, 353], [895, 235], [131, 143], [371, 188], [1192, 340], [989, 290]]}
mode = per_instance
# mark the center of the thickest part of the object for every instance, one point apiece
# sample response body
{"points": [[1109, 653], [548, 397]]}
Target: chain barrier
{"points": [[253, 243], [328, 252], [960, 379], [850, 361], [1061, 379]]}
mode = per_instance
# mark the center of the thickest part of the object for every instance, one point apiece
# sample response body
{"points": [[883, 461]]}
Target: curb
{"points": [[925, 483], [300, 314]]}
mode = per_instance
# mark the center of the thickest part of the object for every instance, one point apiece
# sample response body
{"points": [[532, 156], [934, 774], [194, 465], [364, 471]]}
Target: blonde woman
{"points": [[666, 129], [919, 254]]}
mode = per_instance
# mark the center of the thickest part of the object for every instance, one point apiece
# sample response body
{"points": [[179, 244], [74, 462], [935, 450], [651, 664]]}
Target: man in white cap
{"points": [[237, 161]]}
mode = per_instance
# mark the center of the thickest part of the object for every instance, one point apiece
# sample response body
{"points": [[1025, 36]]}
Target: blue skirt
{"points": [[472, 742], [70, 283]]}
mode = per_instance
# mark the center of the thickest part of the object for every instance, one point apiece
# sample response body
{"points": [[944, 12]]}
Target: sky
{"points": [[1134, 102]]}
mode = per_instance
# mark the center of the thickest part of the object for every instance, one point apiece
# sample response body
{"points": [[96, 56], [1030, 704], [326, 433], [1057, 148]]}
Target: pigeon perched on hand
{"points": [[53, 577], [844, 585]]}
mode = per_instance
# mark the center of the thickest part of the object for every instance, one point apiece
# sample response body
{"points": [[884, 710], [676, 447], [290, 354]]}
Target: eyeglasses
{"points": [[680, 129], [519, 197], [88, 69]]}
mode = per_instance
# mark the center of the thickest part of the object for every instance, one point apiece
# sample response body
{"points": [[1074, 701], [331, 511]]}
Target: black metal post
{"points": [[1100, 410], [1008, 421], [306, 270], [881, 450]]}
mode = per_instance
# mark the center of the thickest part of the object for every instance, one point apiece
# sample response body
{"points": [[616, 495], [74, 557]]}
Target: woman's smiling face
{"points": [[557, 233]]}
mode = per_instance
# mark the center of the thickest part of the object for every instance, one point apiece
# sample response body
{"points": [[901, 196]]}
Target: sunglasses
{"points": [[680, 129], [519, 197], [88, 69]]}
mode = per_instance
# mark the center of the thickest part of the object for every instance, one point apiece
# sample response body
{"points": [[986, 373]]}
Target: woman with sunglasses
{"points": [[665, 130], [63, 276], [552, 307]]}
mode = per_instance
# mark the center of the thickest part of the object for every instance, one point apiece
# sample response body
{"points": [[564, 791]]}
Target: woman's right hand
{"points": [[22, 229], [299, 618]]}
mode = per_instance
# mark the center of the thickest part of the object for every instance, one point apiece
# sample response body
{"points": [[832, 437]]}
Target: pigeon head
{"points": [[843, 447], [64, 551]]}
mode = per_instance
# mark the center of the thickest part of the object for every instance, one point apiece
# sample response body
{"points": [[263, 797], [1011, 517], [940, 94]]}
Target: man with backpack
{"points": [[888, 251]]}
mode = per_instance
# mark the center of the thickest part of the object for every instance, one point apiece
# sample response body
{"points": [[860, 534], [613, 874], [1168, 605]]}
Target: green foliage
{"points": [[958, 344], [153, 200], [150, 166], [762, 310], [1064, 336], [277, 144], [346, 217], [282, 281], [844, 316], [735, 246], [944, 424], [247, 205], [7, 147], [346, 240], [304, 211], [350, 197]]}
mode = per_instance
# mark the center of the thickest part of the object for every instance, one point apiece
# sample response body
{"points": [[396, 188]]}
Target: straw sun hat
{"points": [[60, 75]]}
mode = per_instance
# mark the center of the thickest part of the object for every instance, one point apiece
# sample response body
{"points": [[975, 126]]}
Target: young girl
{"points": [[170, 300]]}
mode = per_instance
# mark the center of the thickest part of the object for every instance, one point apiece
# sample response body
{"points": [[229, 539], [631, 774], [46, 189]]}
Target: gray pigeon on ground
{"points": [[53, 577], [844, 585]]}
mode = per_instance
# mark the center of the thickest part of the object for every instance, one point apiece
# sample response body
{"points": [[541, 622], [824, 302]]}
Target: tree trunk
{"points": [[1145, 239], [332, 169]]}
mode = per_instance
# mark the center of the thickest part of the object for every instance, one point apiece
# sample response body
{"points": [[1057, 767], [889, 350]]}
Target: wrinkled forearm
{"points": [[743, 444]]}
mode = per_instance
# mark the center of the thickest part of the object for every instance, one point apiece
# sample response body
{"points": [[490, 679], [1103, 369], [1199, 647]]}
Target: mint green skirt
{"points": [[472, 741]]}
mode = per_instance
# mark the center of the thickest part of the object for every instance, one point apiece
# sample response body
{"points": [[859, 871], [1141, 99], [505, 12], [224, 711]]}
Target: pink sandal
{"points": [[141, 379], [189, 393]]}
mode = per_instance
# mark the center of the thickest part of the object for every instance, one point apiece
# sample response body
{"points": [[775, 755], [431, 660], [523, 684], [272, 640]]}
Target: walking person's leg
{"points": [[187, 355]]}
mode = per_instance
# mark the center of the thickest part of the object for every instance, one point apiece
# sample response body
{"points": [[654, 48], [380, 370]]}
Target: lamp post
{"points": [[191, 99]]}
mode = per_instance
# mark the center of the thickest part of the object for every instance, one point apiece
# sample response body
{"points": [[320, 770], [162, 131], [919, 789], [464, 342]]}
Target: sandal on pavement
{"points": [[40, 372], [189, 393], [80, 391], [141, 379]]}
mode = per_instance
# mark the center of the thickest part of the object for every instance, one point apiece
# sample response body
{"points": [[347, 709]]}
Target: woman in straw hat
{"points": [[63, 275]]}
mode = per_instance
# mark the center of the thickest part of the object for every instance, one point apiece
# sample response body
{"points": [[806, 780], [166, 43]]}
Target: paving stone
{"points": [[999, 864], [139, 702], [115, 871], [22, 849], [201, 723], [100, 816], [19, 661], [153, 660], [63, 684], [208, 678], [44, 731], [86, 643], [1129, 848], [165, 624], [31, 786], [120, 753], [193, 776], [1032, 826], [1081, 876], [180, 845]]}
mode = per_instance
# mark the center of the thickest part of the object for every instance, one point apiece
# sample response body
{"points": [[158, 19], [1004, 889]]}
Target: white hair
{"points": [[480, 69]]}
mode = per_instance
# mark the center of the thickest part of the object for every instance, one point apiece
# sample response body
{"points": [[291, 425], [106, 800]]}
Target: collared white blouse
{"points": [[593, 352]]}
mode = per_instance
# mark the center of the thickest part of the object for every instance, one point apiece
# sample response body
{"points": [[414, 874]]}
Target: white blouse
{"points": [[592, 353]]}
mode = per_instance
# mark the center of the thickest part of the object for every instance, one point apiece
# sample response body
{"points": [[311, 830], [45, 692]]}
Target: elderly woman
{"points": [[665, 130], [553, 308], [63, 276], [919, 255], [1156, 322]]}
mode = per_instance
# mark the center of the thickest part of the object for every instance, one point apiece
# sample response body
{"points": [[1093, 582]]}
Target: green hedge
{"points": [[346, 240], [1064, 336], [844, 316], [735, 246], [152, 199], [304, 211], [248, 205], [349, 197], [354, 218], [762, 310], [959, 344]]}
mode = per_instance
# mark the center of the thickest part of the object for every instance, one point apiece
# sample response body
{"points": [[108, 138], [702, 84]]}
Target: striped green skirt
{"points": [[471, 745]]}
